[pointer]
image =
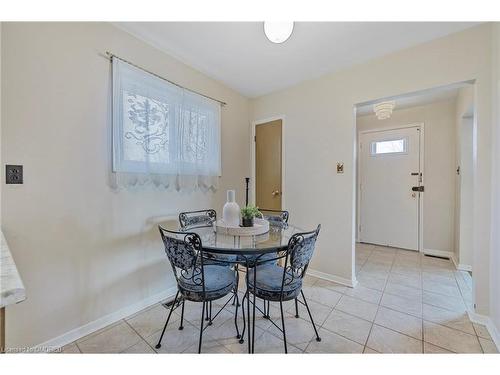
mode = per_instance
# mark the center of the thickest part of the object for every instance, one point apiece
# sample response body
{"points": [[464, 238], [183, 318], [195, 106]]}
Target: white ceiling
{"points": [[415, 99], [239, 55]]}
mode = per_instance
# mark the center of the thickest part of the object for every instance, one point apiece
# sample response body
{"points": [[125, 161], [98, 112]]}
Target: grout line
{"points": [[140, 336], [80, 350]]}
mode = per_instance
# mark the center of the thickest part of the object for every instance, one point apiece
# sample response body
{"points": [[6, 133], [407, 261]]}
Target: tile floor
{"points": [[404, 303]]}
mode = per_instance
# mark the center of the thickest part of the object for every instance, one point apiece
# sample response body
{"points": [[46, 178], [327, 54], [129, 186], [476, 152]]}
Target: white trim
{"points": [[439, 253], [252, 157], [336, 279], [464, 267], [460, 266], [488, 323], [421, 167], [86, 329]]}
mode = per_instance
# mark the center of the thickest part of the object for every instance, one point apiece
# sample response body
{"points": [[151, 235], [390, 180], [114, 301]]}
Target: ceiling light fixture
{"points": [[278, 32], [383, 110]]}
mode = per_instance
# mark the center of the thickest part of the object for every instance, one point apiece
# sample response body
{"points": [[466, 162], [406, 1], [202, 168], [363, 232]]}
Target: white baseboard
{"points": [[106, 320], [459, 266], [336, 279], [490, 326], [464, 267], [439, 253]]}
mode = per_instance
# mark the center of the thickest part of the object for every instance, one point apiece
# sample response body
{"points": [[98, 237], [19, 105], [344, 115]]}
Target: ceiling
{"points": [[415, 99], [239, 55]]}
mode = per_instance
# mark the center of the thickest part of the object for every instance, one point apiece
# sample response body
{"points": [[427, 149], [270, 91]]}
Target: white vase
{"points": [[231, 210]]}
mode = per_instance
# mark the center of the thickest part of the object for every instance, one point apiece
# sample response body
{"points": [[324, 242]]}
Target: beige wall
{"points": [[495, 249], [83, 250], [464, 123], [439, 166], [319, 131]]}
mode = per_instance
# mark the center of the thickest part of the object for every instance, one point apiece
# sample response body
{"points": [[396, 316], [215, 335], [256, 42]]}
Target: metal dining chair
{"points": [[275, 217], [196, 281], [206, 218], [197, 218], [276, 283]]}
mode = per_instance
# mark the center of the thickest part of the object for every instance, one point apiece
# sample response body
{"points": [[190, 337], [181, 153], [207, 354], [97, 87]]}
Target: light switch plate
{"points": [[340, 167], [13, 174]]}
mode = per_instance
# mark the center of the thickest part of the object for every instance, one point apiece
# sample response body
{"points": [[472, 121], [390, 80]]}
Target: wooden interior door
{"points": [[268, 144]]}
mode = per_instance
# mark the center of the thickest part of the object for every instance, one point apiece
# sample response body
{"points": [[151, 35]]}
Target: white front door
{"points": [[389, 169]]}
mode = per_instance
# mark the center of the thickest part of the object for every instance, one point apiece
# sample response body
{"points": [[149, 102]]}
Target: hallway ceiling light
{"points": [[278, 32], [383, 110]]}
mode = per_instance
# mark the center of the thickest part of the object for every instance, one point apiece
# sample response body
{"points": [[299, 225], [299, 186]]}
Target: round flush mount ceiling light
{"points": [[383, 110], [278, 32]]}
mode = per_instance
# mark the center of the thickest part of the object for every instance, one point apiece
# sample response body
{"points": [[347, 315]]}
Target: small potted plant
{"points": [[248, 213]]}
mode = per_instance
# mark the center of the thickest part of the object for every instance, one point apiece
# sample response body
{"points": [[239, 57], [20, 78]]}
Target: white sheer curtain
{"points": [[163, 135]]}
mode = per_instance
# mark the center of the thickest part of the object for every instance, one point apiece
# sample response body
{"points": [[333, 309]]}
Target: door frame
{"points": [[421, 162], [252, 156]]}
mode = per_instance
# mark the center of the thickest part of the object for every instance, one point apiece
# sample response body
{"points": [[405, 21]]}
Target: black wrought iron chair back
{"points": [[275, 216], [196, 280], [274, 283], [300, 251], [197, 218], [185, 254]]}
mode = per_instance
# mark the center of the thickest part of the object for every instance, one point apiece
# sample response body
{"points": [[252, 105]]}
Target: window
{"points": [[394, 146], [162, 129]]}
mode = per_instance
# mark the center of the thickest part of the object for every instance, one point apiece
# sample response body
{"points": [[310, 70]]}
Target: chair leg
{"points": [[158, 345], [210, 316], [253, 323], [181, 327], [244, 320], [249, 324], [201, 325], [296, 308], [265, 315], [238, 336], [206, 315], [237, 284], [310, 316], [283, 326]]}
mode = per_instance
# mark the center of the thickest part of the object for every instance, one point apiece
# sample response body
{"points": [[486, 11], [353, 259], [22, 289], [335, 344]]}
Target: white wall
{"points": [[1, 160], [495, 248], [439, 166], [83, 250], [320, 131], [464, 124]]}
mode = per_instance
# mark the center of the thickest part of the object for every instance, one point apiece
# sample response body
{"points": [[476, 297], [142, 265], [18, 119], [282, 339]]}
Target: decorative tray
{"points": [[260, 226]]}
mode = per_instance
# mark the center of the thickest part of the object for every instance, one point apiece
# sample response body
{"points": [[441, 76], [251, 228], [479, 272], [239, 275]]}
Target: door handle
{"points": [[420, 189], [275, 192]]}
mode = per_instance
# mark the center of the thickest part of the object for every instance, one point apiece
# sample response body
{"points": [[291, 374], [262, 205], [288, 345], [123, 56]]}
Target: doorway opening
{"points": [[414, 187]]}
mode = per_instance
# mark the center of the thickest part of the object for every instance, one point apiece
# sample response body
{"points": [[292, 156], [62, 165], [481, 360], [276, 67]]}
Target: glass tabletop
{"points": [[275, 240]]}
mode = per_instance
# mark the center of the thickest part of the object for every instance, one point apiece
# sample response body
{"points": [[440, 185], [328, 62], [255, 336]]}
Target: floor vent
{"points": [[436, 256]]}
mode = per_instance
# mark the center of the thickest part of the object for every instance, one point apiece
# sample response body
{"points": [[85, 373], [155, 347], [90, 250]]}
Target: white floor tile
{"points": [[333, 343], [451, 339], [357, 307], [349, 326], [384, 340], [400, 322]]}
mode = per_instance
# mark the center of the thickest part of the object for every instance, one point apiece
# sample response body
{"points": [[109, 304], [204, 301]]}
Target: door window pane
{"points": [[393, 146]]}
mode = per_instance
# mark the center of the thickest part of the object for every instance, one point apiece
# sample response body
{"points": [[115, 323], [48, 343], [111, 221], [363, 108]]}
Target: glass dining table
{"points": [[249, 251]]}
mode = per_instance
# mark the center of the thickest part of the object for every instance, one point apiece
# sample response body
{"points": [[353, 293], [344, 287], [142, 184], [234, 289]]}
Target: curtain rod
{"points": [[111, 55]]}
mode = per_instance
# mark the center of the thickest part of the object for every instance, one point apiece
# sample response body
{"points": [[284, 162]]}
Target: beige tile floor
{"points": [[404, 303]]}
